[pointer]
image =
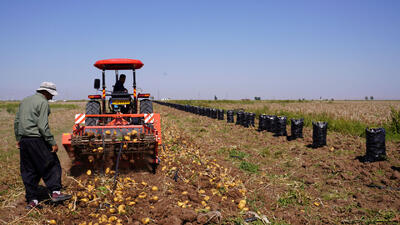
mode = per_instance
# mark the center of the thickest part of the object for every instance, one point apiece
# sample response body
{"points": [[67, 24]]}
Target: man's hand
{"points": [[18, 145], [55, 148]]}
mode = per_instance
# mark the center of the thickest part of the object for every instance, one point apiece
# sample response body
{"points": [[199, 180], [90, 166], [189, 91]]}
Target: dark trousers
{"points": [[37, 161]]}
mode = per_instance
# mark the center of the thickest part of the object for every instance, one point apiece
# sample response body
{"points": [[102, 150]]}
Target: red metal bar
{"points": [[114, 115], [110, 127]]}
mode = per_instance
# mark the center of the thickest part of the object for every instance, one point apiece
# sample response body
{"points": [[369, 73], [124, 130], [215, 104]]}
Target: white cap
{"points": [[49, 87]]}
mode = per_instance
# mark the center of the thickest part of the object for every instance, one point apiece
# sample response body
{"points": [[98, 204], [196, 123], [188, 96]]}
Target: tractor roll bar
{"points": [[134, 92], [135, 98], [119, 64], [104, 91]]}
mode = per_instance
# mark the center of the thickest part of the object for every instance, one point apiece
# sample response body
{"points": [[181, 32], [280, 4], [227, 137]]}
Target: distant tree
{"points": [[366, 97], [215, 98], [332, 99], [371, 97], [257, 98]]}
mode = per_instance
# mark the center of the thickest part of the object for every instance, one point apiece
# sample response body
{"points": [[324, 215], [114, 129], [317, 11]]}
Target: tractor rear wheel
{"points": [[92, 107], [146, 106]]}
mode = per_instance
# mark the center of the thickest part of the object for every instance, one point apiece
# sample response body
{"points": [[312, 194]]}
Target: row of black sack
{"points": [[375, 137]]}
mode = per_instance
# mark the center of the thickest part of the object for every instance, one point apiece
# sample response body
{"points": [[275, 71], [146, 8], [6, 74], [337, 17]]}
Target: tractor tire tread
{"points": [[92, 107], [146, 106]]}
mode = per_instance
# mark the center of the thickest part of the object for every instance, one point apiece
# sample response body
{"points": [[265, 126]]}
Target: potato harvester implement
{"points": [[100, 134]]}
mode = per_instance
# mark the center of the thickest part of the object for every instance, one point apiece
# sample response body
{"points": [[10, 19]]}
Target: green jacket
{"points": [[32, 119]]}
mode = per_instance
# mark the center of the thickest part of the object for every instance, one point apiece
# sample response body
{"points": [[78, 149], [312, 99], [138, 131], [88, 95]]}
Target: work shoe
{"points": [[32, 205], [59, 197]]}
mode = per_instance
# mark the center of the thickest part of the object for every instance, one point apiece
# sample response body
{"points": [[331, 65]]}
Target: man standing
{"points": [[37, 146]]}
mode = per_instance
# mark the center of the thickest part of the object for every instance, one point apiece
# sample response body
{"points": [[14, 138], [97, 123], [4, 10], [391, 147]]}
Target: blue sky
{"points": [[197, 49]]}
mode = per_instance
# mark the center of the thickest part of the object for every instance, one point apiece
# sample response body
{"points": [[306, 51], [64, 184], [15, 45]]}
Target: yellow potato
{"points": [[154, 188], [90, 188], [145, 220], [142, 195], [112, 219], [242, 204], [131, 203], [121, 209]]}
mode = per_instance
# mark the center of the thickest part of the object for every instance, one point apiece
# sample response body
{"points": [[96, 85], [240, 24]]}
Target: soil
{"points": [[207, 169]]}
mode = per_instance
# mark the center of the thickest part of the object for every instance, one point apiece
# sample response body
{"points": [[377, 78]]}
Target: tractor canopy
{"points": [[118, 64]]}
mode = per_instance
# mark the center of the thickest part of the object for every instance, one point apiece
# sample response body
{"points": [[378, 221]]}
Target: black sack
{"points": [[208, 112], [376, 147], [296, 127], [270, 123], [251, 119], [262, 122], [230, 116], [246, 119], [201, 111], [221, 114], [214, 113], [280, 126], [239, 117], [319, 134], [197, 110]]}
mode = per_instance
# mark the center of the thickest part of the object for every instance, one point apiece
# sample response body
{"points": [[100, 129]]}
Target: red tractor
{"points": [[112, 133]]}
